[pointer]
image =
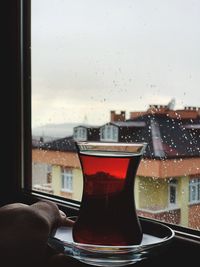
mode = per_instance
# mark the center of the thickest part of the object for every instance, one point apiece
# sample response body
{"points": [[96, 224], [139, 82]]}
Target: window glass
{"points": [[194, 190], [66, 176], [109, 133], [172, 192], [80, 134], [120, 71]]}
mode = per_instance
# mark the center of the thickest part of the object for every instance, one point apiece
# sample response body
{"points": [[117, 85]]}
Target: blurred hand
{"points": [[24, 231]]}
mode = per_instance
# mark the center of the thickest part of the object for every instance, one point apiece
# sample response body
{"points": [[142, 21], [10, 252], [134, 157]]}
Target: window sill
{"points": [[71, 207], [194, 203], [168, 209], [66, 191]]}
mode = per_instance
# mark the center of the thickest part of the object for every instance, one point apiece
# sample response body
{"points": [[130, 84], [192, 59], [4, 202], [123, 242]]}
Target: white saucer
{"points": [[156, 237]]}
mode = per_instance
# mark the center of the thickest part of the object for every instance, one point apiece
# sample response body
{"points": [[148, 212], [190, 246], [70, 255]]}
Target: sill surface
{"points": [[72, 207]]}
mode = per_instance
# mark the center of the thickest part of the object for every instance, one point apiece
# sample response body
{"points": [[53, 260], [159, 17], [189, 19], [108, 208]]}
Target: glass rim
{"points": [[133, 147]]}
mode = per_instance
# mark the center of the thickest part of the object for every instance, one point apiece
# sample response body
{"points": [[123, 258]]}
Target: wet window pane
{"points": [[119, 71]]}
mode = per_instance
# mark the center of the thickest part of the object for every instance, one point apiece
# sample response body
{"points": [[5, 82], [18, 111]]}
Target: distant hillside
{"points": [[53, 131]]}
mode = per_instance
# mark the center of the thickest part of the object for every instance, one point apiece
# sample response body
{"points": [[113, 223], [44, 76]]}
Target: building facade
{"points": [[167, 185]]}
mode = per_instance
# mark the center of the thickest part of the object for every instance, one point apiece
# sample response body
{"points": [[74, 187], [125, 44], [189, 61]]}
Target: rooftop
{"points": [[169, 133]]}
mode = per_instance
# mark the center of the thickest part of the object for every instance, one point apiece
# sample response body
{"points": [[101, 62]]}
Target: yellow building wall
{"points": [[137, 191], [56, 180], [149, 193], [152, 193], [183, 199], [77, 184]]}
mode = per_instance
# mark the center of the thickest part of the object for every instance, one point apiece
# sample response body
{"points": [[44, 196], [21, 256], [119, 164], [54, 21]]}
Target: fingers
{"points": [[50, 211], [25, 230], [64, 221]]}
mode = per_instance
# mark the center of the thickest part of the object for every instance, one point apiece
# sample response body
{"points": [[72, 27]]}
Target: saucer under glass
{"points": [[156, 238]]}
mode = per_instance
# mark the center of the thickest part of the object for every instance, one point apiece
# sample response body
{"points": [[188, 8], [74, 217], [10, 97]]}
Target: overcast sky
{"points": [[93, 56]]}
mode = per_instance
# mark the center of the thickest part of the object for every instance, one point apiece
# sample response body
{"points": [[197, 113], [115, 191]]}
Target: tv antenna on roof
{"points": [[171, 104], [85, 119]]}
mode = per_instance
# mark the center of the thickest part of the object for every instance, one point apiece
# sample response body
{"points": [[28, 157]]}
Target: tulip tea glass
{"points": [[107, 213]]}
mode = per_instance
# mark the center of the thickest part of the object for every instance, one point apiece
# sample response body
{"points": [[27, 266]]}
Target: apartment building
{"points": [[167, 185]]}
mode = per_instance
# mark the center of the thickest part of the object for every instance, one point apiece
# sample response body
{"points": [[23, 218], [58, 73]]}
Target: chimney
{"points": [[117, 116], [112, 115]]}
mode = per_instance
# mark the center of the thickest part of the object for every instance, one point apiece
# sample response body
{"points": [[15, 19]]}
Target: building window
{"points": [[172, 192], [80, 134], [66, 180], [194, 190], [109, 133]]}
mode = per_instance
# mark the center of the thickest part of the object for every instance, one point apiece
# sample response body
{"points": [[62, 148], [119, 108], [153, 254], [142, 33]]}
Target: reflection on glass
{"points": [[119, 71]]}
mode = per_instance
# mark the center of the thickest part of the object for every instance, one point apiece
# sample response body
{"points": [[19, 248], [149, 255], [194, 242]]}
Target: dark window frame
{"points": [[17, 163]]}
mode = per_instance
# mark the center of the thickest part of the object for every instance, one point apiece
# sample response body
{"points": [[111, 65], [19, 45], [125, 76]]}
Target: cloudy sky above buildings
{"points": [[93, 56]]}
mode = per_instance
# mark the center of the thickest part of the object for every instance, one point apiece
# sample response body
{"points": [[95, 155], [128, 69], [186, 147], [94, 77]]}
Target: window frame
{"points": [[80, 133], [17, 186], [108, 133], [66, 179], [172, 186], [194, 183]]}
